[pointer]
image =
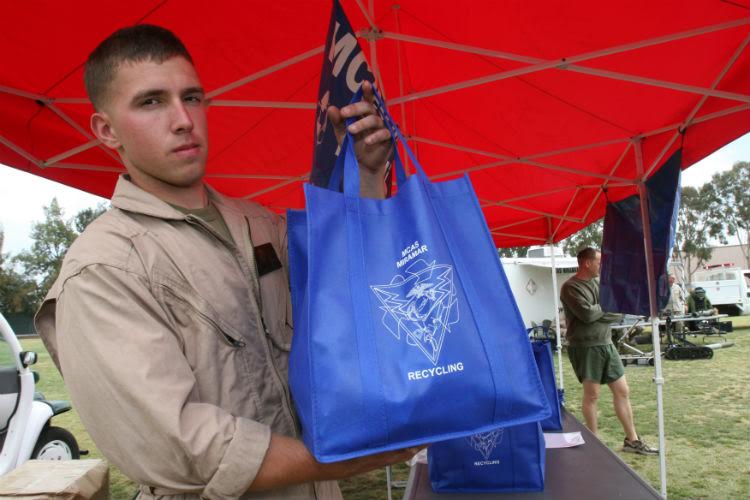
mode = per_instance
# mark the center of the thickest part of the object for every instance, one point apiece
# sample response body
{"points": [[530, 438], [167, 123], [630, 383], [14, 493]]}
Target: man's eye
{"points": [[194, 98], [151, 101]]}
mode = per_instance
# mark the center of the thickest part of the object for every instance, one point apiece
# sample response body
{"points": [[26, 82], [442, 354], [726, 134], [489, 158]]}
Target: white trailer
{"points": [[727, 287], [530, 279]]}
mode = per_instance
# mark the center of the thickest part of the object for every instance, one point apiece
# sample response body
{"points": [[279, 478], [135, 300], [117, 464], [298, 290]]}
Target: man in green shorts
{"points": [[594, 357]]}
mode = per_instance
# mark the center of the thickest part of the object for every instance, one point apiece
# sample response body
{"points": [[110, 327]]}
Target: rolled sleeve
{"points": [[241, 461]]}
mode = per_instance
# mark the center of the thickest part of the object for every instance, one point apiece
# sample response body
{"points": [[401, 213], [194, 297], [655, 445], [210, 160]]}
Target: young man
{"points": [[594, 357], [171, 318], [697, 304]]}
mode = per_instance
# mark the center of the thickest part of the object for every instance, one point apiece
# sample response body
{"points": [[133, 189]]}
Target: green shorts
{"points": [[600, 363]]}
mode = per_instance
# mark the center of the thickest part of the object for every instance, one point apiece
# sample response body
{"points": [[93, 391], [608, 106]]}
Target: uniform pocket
{"points": [[217, 354]]}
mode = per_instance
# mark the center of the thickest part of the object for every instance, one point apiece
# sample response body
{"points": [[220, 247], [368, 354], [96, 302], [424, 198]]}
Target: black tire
{"points": [[56, 443]]}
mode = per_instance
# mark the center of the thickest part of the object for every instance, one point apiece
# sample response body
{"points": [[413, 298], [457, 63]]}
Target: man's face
{"points": [[594, 265], [155, 117], [671, 280]]}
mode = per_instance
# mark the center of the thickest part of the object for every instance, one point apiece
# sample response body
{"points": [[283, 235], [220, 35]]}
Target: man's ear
{"points": [[102, 129]]}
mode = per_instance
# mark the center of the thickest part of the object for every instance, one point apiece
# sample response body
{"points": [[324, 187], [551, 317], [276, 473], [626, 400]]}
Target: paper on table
{"points": [[562, 439]]}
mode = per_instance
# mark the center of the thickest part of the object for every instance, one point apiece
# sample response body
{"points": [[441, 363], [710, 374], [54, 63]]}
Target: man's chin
{"points": [[188, 177], [187, 183]]}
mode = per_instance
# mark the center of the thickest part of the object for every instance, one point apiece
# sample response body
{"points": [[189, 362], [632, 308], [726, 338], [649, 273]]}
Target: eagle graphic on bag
{"points": [[422, 304], [486, 442]]}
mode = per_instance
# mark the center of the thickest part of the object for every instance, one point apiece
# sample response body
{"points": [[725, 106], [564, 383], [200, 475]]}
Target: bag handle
{"points": [[346, 162]]}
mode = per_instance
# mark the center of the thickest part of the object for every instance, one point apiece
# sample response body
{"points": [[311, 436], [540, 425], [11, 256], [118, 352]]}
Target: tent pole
{"points": [[510, 159], [520, 236], [20, 152], [557, 316], [570, 60], [658, 378]]}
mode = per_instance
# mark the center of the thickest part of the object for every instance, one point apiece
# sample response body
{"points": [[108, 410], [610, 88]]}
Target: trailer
{"points": [[530, 280], [727, 287]]}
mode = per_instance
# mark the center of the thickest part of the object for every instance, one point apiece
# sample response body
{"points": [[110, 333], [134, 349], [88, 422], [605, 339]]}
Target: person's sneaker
{"points": [[638, 446]]}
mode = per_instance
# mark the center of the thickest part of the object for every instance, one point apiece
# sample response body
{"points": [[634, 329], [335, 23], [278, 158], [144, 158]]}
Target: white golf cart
{"points": [[25, 430]]}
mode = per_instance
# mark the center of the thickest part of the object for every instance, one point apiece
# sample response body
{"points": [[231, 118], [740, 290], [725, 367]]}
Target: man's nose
{"points": [[182, 121]]}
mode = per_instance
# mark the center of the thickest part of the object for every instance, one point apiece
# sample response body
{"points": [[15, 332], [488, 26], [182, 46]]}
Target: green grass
{"points": [[707, 422]]}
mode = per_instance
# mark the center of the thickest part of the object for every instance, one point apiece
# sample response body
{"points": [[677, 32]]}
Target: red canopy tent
{"points": [[547, 105], [544, 104]]}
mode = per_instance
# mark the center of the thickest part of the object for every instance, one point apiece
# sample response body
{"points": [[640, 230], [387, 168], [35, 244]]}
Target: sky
{"points": [[23, 195]]}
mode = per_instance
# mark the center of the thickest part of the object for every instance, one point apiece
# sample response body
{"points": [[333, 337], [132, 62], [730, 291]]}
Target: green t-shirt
{"points": [[211, 216], [588, 325]]}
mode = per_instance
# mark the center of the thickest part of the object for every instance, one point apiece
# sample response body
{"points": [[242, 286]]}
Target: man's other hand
{"points": [[372, 140], [288, 461]]}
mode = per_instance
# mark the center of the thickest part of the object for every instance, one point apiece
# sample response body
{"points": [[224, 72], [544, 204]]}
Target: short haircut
{"points": [[142, 42], [587, 253]]}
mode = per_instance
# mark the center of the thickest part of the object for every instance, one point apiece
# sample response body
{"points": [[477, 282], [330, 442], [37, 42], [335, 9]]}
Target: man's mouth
{"points": [[186, 147]]}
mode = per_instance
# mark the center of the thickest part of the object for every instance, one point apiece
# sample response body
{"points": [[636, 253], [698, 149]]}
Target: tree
{"points": [[589, 236], [51, 239], [693, 229], [17, 294], [87, 216], [727, 206]]}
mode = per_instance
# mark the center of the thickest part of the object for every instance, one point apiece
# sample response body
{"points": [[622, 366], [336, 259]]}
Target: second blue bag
{"points": [[405, 329], [543, 356], [503, 460]]}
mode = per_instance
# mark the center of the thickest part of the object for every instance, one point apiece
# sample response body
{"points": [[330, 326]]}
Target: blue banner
{"points": [[624, 281], [344, 70]]}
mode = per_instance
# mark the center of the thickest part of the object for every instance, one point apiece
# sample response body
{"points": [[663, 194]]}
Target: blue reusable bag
{"points": [[543, 357], [503, 460], [405, 329]]}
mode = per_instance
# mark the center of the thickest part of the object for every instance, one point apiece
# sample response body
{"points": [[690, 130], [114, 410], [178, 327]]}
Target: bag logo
{"points": [[486, 442], [421, 304]]}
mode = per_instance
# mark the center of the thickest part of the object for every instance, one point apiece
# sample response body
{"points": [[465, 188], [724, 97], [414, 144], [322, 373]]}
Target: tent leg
{"points": [[658, 377], [389, 481], [556, 316]]}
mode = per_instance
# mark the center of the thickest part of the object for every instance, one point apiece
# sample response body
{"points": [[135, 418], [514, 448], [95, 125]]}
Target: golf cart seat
{"points": [[57, 407]]}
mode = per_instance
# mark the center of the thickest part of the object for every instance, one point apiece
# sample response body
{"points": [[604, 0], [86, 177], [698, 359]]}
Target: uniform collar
{"points": [[131, 198]]}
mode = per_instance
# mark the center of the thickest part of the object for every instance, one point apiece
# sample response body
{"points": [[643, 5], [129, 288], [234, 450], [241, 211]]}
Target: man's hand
{"points": [[372, 140], [288, 462], [348, 468]]}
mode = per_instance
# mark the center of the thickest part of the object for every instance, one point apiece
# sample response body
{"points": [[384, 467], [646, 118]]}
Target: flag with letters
{"points": [[344, 70]]}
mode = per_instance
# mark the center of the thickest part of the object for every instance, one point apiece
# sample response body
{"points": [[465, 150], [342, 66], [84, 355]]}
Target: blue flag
{"points": [[624, 282], [344, 70]]}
